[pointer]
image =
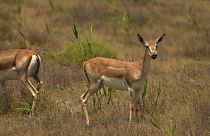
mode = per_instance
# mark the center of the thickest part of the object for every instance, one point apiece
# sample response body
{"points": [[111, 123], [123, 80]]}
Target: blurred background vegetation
{"points": [[176, 99]]}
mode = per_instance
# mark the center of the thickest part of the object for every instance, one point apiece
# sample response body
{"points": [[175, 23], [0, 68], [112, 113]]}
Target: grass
{"points": [[176, 99]]}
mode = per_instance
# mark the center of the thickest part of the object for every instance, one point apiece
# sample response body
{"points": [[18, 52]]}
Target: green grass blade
{"points": [[74, 29]]}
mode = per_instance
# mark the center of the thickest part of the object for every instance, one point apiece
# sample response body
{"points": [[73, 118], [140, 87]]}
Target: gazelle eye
{"points": [[147, 47], [156, 46]]}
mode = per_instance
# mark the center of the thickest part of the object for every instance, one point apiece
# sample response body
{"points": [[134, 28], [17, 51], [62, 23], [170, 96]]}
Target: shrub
{"points": [[79, 50], [72, 54]]}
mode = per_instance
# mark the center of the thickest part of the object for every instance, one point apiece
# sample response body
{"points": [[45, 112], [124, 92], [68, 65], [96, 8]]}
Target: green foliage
{"points": [[72, 54], [4, 28], [51, 54], [104, 94], [79, 50], [163, 124], [23, 107]]}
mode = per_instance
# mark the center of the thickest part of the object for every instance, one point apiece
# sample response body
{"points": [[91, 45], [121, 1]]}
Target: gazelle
{"points": [[20, 64], [121, 75]]}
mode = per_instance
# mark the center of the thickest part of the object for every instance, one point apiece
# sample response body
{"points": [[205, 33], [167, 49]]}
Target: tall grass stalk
{"points": [[158, 95], [76, 34], [47, 28], [51, 3], [22, 27], [90, 38], [155, 121], [19, 6], [192, 15], [51, 31], [170, 128]]}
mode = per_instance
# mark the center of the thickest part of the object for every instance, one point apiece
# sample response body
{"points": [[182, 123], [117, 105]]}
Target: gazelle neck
{"points": [[146, 65], [144, 71]]}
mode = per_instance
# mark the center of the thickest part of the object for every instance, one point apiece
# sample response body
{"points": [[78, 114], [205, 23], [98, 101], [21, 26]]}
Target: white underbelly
{"points": [[115, 83], [8, 74]]}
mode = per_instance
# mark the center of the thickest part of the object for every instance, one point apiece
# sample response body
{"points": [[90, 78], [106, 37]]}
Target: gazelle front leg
{"points": [[131, 106], [134, 103], [137, 104]]}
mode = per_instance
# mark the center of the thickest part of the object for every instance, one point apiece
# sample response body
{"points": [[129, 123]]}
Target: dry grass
{"points": [[181, 70]]}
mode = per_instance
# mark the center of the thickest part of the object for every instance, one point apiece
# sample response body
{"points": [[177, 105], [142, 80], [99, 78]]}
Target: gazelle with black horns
{"points": [[20, 64], [121, 75]]}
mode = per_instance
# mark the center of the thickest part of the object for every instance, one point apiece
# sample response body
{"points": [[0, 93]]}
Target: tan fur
{"points": [[112, 68], [13, 58], [14, 65], [117, 74]]}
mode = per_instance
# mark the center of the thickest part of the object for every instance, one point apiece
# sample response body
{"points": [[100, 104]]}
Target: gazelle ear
{"points": [[140, 38], [159, 39]]}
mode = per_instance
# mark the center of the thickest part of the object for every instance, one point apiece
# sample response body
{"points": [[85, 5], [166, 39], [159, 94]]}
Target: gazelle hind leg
{"points": [[84, 107], [91, 90], [83, 95], [31, 88], [39, 82], [93, 87]]}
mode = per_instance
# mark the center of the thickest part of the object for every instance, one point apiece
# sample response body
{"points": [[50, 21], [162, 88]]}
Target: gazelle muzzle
{"points": [[154, 56]]}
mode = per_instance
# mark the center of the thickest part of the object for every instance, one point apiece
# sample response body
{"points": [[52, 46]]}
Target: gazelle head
{"points": [[151, 46]]}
